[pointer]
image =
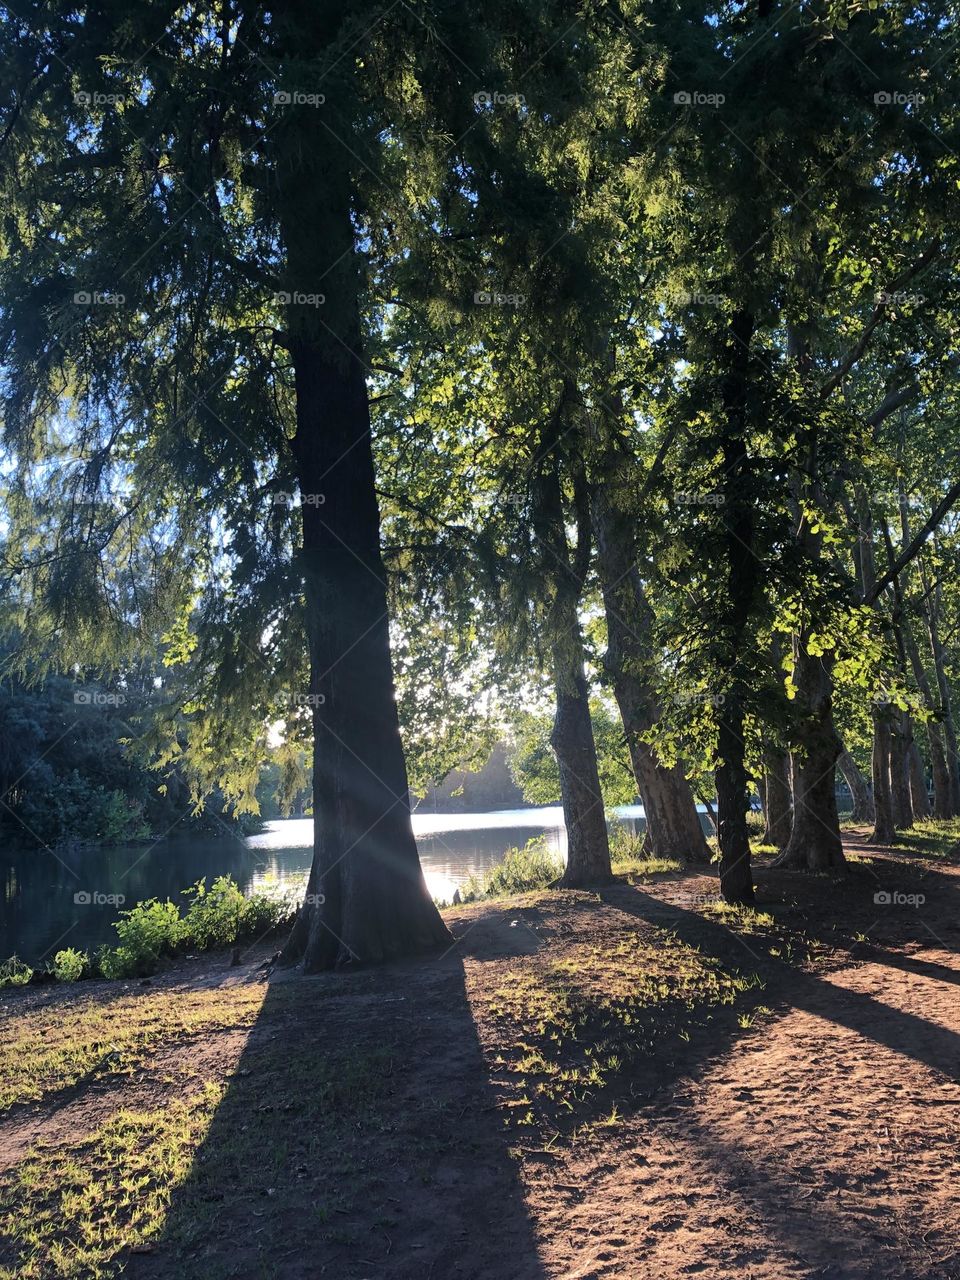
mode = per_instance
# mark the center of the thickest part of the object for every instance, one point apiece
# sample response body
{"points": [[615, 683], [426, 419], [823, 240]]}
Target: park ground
{"points": [[635, 1082]]}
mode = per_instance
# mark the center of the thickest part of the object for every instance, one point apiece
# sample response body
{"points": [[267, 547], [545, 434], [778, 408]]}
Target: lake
{"points": [[72, 899]]}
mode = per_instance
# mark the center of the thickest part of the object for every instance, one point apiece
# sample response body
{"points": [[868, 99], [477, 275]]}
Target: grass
{"points": [[536, 866], [932, 837], [74, 1209], [45, 1051], [570, 1027], [281, 1121]]}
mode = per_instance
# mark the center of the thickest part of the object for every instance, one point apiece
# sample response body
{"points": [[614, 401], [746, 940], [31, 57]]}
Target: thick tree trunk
{"points": [[777, 797], [883, 829], [858, 787], [901, 741], [366, 896], [736, 877], [814, 843], [918, 783]]}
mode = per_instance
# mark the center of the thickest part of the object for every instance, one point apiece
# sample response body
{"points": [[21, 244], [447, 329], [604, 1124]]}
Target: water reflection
{"points": [[72, 899]]}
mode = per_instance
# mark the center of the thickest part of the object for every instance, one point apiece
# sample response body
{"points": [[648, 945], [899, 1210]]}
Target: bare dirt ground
{"points": [[623, 1084]]}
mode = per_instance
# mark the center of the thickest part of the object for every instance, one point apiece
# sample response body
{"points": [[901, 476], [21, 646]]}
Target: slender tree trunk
{"points": [[366, 896], [588, 852], [777, 797], [673, 823], [942, 801], [901, 741], [814, 843], [859, 788], [733, 801], [883, 829], [918, 783], [588, 849], [946, 707]]}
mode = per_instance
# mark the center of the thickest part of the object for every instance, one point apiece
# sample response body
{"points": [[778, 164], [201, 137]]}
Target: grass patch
{"points": [[534, 866], [72, 1210], [627, 856], [574, 1025], [50, 1049], [932, 838]]}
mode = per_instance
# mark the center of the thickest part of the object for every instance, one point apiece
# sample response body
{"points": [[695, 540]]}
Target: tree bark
{"points": [[588, 849], [777, 797], [932, 614], [733, 801], [883, 829], [918, 783], [588, 852], [366, 896], [814, 843], [673, 823], [942, 800], [901, 740], [859, 788]]}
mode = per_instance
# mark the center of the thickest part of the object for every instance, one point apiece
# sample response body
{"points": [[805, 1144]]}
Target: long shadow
{"points": [[358, 1137], [905, 1033]]}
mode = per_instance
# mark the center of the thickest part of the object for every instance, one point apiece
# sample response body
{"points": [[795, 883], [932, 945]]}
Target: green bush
{"points": [[625, 846], [216, 917], [532, 867], [14, 973], [70, 965]]}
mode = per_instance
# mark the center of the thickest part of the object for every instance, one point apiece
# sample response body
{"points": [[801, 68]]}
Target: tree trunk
{"points": [[942, 802], [859, 788], [777, 797], [588, 851], [918, 783], [733, 801], [901, 741], [814, 843], [366, 896], [946, 707], [673, 823], [883, 830]]}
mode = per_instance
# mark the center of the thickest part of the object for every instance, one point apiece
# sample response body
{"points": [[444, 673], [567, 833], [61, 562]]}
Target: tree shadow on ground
{"points": [[358, 1137], [906, 1033]]}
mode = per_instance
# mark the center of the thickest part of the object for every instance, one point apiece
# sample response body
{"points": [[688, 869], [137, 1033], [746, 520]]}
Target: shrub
{"points": [[70, 965], [216, 917], [213, 917], [532, 867], [14, 973], [625, 846]]}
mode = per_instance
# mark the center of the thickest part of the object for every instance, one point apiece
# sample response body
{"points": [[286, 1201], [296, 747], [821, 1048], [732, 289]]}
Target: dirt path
{"points": [[628, 1084]]}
